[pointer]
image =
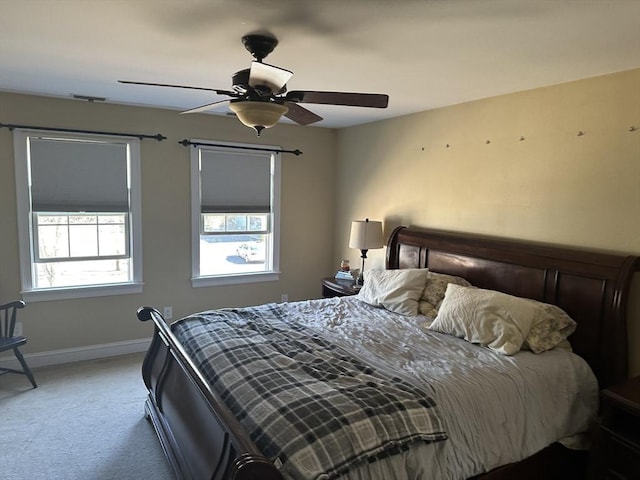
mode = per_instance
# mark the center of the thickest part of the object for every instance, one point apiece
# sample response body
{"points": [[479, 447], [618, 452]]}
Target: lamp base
{"points": [[363, 256]]}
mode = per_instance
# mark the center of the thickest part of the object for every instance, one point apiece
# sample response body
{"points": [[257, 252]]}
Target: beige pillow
{"points": [[550, 329], [395, 290], [434, 289], [499, 321]]}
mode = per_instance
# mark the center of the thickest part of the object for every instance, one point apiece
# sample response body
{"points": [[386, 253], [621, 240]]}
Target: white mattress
{"points": [[496, 409]]}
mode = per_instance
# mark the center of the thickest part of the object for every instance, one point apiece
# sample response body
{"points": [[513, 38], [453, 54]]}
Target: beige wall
{"points": [[552, 186], [306, 229]]}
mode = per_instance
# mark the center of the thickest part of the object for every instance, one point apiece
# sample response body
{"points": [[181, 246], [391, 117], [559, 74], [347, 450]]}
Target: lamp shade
{"points": [[258, 115], [366, 234]]}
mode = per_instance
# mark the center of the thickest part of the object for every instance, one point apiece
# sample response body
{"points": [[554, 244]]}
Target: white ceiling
{"points": [[423, 53]]}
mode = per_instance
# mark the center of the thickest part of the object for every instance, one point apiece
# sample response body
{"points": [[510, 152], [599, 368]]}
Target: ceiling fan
{"points": [[259, 94]]}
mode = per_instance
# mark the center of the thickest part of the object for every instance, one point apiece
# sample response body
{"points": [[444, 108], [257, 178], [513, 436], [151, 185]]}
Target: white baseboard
{"points": [[78, 354]]}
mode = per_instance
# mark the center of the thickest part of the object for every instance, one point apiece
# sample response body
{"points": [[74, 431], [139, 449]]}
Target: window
{"points": [[235, 207], [78, 214]]}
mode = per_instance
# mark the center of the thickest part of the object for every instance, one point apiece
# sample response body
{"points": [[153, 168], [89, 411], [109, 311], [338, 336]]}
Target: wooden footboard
{"points": [[200, 437]]}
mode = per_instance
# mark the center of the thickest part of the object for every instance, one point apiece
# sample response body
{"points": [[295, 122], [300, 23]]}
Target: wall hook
{"points": [[580, 133], [633, 128], [522, 137]]}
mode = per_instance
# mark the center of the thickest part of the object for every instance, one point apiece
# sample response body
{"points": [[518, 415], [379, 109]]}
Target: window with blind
{"points": [[235, 195], [78, 214]]}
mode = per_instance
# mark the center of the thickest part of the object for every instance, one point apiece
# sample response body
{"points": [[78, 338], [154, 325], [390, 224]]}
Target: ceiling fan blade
{"points": [[219, 92], [373, 100], [301, 115], [208, 106], [264, 75]]}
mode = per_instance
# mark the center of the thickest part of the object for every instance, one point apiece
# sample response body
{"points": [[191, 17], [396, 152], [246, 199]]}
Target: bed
{"points": [[202, 438]]}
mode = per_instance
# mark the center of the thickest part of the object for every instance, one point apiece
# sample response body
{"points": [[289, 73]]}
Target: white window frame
{"points": [[26, 223], [272, 273], [71, 258]]}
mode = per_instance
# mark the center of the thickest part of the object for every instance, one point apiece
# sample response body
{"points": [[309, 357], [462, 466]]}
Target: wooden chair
{"points": [[9, 341]]}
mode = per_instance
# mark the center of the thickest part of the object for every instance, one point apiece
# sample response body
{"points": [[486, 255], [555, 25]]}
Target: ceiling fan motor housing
{"points": [[240, 80], [259, 44]]}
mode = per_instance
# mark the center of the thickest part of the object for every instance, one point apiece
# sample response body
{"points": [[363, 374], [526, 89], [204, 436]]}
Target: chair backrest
{"points": [[8, 318]]}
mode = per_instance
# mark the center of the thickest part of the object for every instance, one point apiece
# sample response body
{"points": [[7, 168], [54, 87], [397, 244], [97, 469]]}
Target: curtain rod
{"points": [[186, 143], [73, 130]]}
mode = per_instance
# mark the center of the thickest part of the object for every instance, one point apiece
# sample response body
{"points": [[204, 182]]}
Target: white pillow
{"points": [[494, 319], [395, 290]]}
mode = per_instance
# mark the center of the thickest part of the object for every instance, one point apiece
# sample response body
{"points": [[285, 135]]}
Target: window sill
{"points": [[66, 293], [234, 279]]}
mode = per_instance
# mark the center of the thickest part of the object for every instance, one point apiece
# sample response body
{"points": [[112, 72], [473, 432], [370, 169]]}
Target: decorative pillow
{"points": [[433, 293], [551, 328], [395, 290], [499, 321]]}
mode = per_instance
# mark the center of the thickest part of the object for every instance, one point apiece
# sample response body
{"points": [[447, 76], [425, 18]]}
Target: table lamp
{"points": [[365, 235]]}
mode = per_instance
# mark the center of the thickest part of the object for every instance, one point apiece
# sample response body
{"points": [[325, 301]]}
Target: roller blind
{"points": [[78, 176], [235, 182]]}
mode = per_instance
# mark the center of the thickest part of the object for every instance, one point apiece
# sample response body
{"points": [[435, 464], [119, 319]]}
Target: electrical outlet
{"points": [[168, 313], [285, 297], [17, 331]]}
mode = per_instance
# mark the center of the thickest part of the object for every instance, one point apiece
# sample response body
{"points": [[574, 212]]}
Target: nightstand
{"points": [[617, 448], [336, 287]]}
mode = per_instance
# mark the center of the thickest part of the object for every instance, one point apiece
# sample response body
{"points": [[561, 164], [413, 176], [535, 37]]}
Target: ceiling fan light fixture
{"points": [[258, 115]]}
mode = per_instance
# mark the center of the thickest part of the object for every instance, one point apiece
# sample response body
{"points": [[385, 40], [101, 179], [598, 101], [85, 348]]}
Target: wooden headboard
{"points": [[592, 287]]}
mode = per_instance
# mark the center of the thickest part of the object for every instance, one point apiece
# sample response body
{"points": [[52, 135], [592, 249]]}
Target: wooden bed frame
{"points": [[202, 440]]}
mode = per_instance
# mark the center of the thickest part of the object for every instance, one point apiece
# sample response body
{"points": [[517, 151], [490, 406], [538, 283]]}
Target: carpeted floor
{"points": [[85, 421]]}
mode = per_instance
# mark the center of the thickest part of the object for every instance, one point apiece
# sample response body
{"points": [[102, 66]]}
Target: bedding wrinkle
{"points": [[486, 400]]}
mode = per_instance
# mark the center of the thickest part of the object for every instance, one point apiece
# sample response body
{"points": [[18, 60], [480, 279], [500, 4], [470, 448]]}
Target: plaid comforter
{"points": [[310, 406]]}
